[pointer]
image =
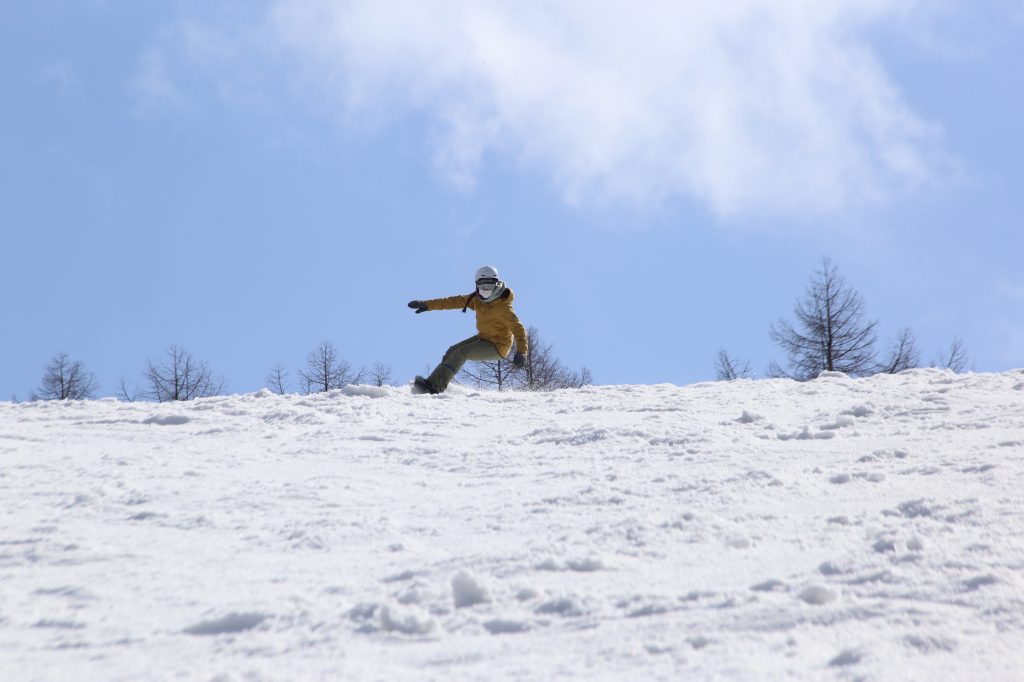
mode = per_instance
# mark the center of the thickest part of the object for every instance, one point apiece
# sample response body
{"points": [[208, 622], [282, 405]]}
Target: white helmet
{"points": [[486, 272]]}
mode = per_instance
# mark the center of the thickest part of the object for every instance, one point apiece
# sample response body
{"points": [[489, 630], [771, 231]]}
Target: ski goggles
{"points": [[487, 283]]}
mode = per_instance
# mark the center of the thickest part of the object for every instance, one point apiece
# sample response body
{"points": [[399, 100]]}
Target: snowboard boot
{"points": [[421, 385]]}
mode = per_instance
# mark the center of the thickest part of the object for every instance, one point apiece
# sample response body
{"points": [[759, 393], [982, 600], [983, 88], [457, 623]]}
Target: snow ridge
{"points": [[743, 530]]}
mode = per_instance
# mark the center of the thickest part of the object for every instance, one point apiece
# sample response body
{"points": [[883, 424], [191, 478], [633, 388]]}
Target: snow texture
{"points": [[835, 529]]}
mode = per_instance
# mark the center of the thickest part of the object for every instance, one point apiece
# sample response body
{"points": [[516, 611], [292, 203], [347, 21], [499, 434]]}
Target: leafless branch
{"points": [[380, 374], [903, 354], [180, 376], [326, 370], [126, 394], [65, 380], [956, 357], [831, 333], [277, 379], [728, 368]]}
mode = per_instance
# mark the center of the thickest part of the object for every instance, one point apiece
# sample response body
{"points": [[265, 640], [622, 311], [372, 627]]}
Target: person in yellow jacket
{"points": [[496, 325]]}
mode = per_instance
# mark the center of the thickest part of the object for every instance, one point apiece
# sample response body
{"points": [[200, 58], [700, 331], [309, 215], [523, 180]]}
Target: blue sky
{"points": [[246, 179]]}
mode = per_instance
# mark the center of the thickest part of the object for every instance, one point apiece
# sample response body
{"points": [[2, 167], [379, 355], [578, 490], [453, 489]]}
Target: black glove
{"points": [[418, 306], [519, 360]]}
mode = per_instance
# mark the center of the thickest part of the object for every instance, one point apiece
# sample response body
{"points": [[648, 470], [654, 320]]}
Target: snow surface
{"points": [[836, 529]]}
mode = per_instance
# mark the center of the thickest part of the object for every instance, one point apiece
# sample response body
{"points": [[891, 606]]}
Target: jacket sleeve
{"points": [[448, 303], [519, 333]]}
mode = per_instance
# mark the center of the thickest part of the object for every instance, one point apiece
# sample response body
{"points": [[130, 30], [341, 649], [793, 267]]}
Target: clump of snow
{"points": [[979, 582], [231, 623], [915, 508], [841, 422], [859, 411], [467, 591], [58, 624], [830, 568], [501, 626], [527, 593], [773, 585], [561, 607], [167, 420], [587, 565], [749, 417], [699, 642], [806, 434], [884, 545], [928, 644], [366, 391], [405, 621], [817, 595], [846, 658]]}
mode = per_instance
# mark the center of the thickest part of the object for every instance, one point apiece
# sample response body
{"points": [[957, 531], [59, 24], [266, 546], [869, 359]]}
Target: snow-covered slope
{"points": [[753, 530]]}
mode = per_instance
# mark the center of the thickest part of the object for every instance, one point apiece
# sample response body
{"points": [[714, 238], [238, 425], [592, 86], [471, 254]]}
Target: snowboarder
{"points": [[496, 324]]}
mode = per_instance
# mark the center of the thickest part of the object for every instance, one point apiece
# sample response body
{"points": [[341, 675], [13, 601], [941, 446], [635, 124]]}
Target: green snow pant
{"points": [[473, 348]]}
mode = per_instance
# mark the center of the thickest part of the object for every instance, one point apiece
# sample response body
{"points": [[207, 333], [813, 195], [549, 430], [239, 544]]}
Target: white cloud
{"points": [[747, 105]]}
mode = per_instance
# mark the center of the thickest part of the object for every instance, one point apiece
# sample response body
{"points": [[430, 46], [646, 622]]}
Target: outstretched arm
{"points": [[449, 303]]}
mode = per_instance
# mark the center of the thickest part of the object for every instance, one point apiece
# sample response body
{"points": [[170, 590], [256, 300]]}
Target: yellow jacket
{"points": [[495, 321]]}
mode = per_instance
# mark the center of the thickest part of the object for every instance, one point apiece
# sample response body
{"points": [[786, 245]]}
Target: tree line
{"points": [[831, 332], [179, 375]]}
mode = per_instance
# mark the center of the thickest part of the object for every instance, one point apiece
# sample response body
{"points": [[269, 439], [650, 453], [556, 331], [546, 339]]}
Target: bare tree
{"points": [[542, 372], [574, 379], [545, 372], [180, 376], [903, 354], [277, 379], [326, 370], [728, 368], [380, 374], [65, 380], [495, 374], [831, 333], [956, 357]]}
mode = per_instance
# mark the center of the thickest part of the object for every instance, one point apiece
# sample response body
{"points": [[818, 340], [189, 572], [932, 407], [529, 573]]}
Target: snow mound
{"points": [[366, 391]]}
